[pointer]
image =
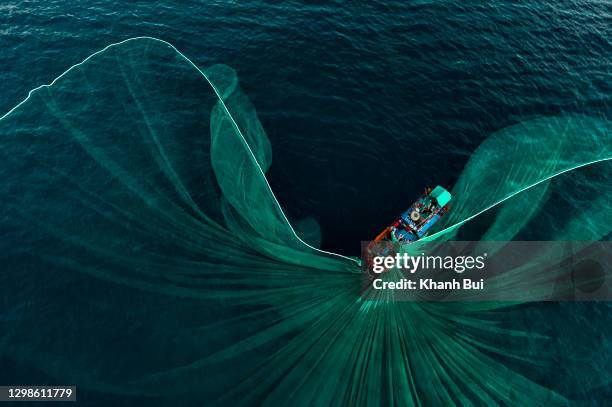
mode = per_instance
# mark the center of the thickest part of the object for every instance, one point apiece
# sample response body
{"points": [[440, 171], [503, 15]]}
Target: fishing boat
{"points": [[416, 221]]}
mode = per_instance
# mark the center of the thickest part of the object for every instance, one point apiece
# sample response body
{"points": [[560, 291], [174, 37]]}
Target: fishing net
{"points": [[145, 255]]}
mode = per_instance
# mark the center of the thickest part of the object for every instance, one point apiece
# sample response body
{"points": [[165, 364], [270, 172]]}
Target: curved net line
{"points": [[449, 229], [226, 110]]}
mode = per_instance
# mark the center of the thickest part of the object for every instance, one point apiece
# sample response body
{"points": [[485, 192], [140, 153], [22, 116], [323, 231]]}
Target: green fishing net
{"points": [[144, 254]]}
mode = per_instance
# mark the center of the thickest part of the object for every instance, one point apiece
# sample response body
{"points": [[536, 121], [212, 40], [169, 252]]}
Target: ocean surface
{"points": [[365, 104]]}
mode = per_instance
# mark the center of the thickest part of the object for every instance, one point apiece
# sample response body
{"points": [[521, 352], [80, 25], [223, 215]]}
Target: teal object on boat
{"points": [[441, 195]]}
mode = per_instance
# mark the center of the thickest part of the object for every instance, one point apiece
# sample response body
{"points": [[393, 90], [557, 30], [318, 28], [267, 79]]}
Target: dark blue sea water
{"points": [[348, 91], [365, 102]]}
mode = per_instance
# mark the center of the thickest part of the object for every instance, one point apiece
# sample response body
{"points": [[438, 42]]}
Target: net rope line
{"points": [[226, 110], [254, 159], [469, 218]]}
